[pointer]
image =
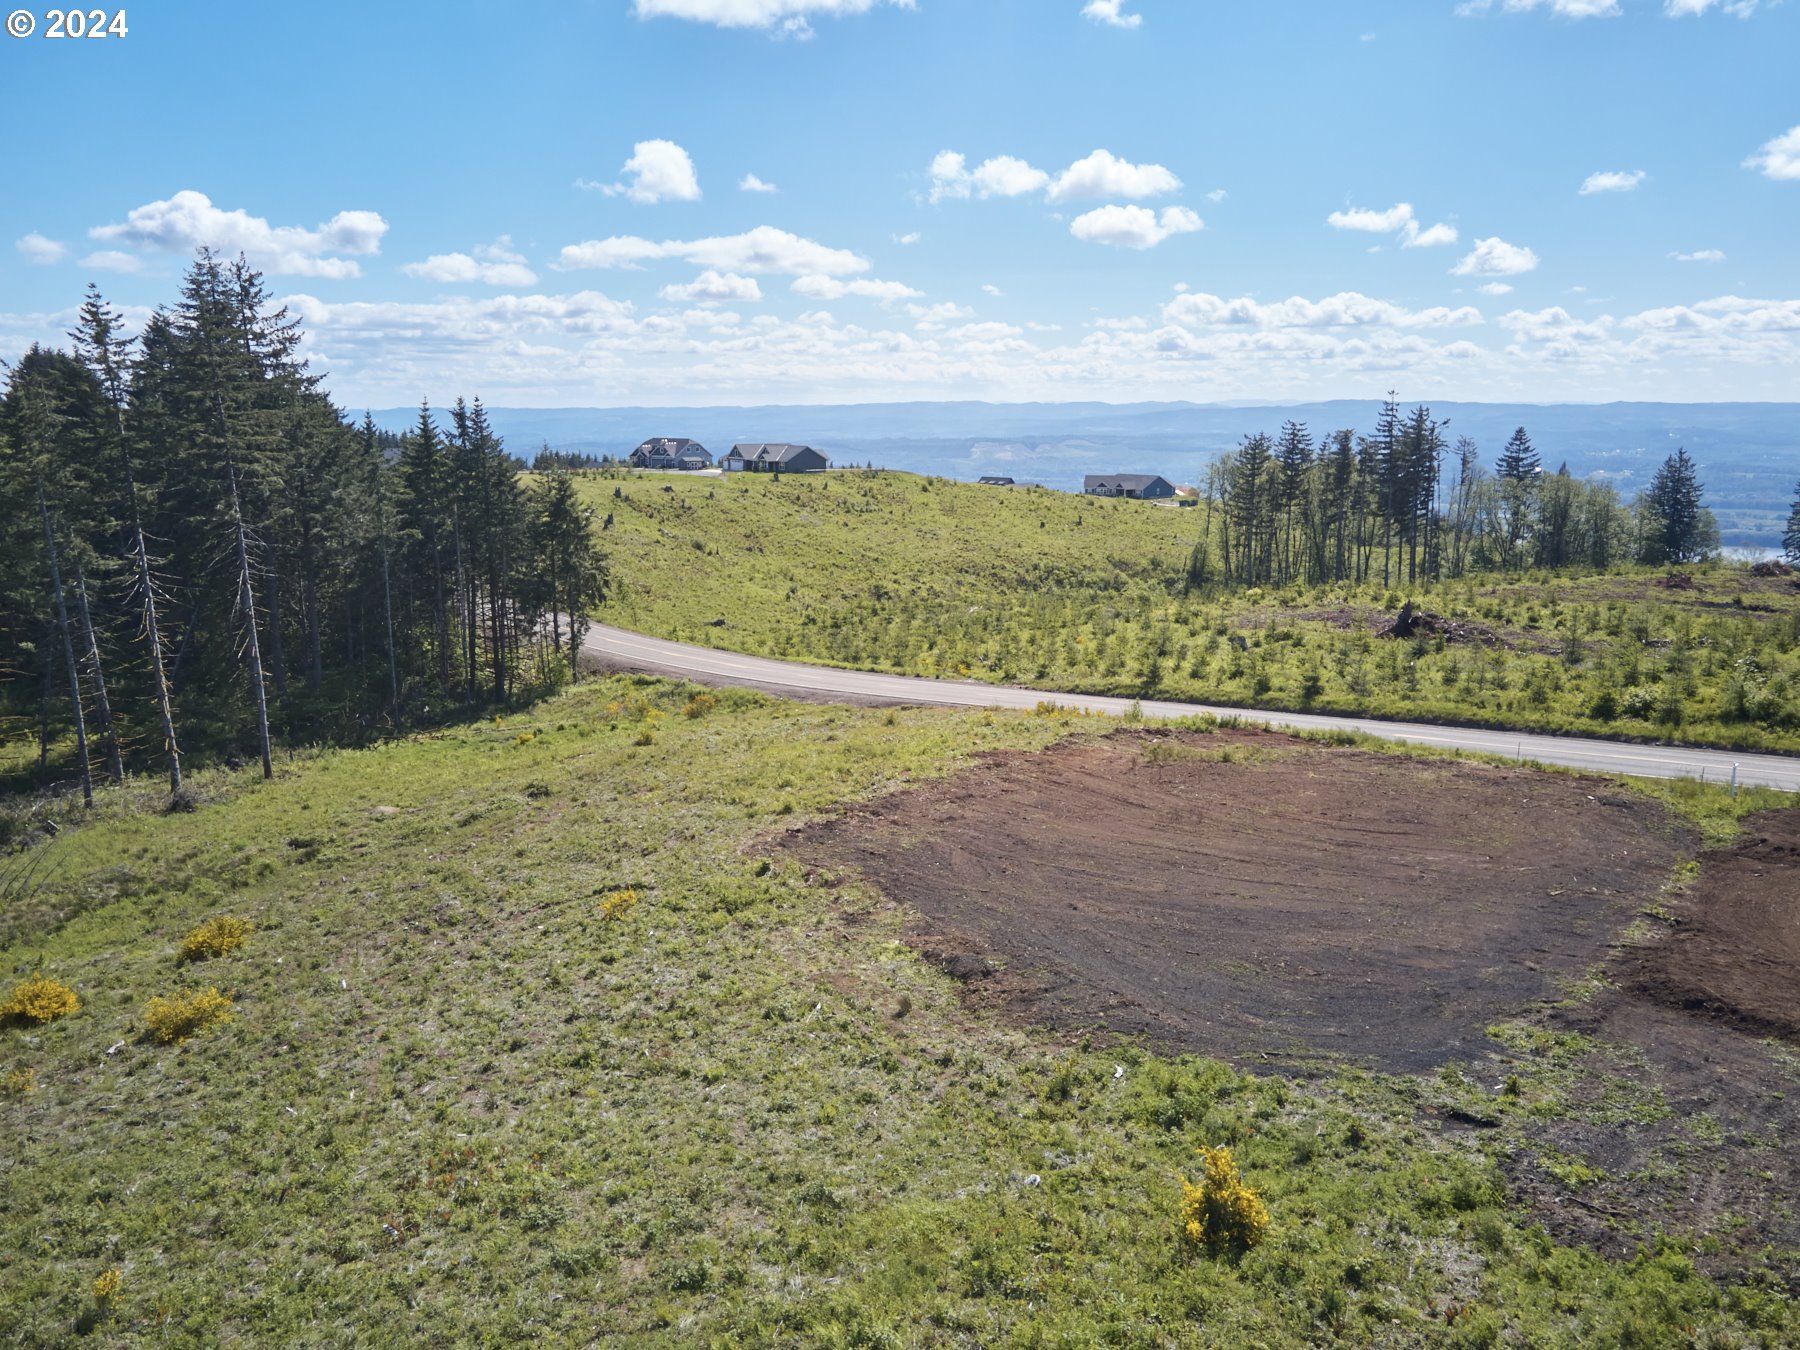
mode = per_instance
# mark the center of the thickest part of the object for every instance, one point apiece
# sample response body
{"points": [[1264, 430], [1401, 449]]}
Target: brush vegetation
{"points": [[892, 572], [458, 1102]]}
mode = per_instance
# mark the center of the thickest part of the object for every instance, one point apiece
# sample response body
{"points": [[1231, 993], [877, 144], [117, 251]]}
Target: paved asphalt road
{"points": [[633, 651]]}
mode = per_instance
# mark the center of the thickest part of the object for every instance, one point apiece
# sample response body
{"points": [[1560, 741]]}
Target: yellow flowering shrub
{"points": [[107, 1285], [181, 1016], [219, 935], [20, 1082], [1219, 1213], [39, 999], [699, 705], [617, 905]]}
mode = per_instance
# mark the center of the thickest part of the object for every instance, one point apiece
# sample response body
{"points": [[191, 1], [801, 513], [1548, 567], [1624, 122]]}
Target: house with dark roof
{"points": [[1138, 486], [774, 457], [670, 452]]}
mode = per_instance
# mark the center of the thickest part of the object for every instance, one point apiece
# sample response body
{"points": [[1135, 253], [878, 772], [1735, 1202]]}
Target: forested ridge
{"points": [[204, 556]]}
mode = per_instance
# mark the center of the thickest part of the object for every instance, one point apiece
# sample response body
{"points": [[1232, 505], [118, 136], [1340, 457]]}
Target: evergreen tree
{"points": [[1675, 520], [1518, 471], [1790, 539]]}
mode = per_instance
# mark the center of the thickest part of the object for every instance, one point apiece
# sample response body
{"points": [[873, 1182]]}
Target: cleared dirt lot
{"points": [[1734, 953], [1247, 895]]}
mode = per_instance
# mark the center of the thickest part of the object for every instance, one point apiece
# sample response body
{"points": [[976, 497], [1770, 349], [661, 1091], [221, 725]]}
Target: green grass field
{"points": [[892, 572], [475, 1094]]}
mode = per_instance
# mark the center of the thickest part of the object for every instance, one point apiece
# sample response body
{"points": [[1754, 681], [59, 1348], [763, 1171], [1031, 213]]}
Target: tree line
{"points": [[1402, 504], [203, 556]]}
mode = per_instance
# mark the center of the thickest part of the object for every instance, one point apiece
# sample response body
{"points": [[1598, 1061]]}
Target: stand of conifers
{"points": [[183, 508]]}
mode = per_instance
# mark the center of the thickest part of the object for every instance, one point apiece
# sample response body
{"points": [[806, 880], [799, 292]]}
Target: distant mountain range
{"points": [[1748, 453]]}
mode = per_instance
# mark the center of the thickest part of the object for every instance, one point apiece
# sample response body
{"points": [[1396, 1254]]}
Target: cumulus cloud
{"points": [[908, 239], [660, 171], [1496, 288], [1001, 176], [493, 264], [762, 250], [1780, 158], [830, 288], [1108, 12], [1612, 181], [188, 221], [714, 288], [751, 183], [1100, 174], [1705, 255], [35, 248], [1217, 195], [1494, 257], [1134, 226], [992, 290], [1349, 309], [1397, 219], [1103, 174], [788, 16]]}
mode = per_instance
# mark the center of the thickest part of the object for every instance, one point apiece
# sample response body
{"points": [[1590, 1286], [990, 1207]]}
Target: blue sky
{"points": [[1002, 199]]}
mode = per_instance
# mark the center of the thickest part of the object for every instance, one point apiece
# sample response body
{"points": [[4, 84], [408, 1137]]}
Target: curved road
{"points": [[705, 665]]}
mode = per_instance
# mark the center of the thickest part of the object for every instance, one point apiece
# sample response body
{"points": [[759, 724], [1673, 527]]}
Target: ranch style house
{"points": [[1140, 486]]}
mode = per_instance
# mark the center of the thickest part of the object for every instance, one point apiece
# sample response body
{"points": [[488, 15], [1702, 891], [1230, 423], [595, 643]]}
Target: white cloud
{"points": [[993, 290], [1494, 257], [762, 250], [1001, 176], [1134, 226], [188, 221], [1397, 219], [1107, 12], [1705, 255], [1349, 309], [936, 316], [714, 288], [1217, 195], [1437, 236], [1372, 222], [1564, 9], [35, 248], [111, 260], [908, 239], [830, 288], [1617, 180], [1103, 174], [1678, 9], [1005, 176], [1496, 288], [1780, 158], [660, 171], [501, 267], [751, 183], [789, 16]]}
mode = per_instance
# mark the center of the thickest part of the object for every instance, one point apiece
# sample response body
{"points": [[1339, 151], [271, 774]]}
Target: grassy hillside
{"points": [[893, 572], [532, 1044]]}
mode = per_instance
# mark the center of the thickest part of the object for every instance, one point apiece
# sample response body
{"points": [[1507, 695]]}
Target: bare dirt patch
{"points": [[1256, 897], [1734, 952]]}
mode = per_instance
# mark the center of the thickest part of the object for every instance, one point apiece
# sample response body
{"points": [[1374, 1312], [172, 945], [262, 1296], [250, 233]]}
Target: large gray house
{"points": [[774, 458], [1144, 486], [670, 452]]}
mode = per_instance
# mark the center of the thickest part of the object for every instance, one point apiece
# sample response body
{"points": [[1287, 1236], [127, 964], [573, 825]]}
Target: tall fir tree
{"points": [[1674, 513]]}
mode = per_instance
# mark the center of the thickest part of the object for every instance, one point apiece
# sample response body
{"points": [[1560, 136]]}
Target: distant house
{"points": [[1140, 486], [774, 458], [670, 452], [994, 480]]}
